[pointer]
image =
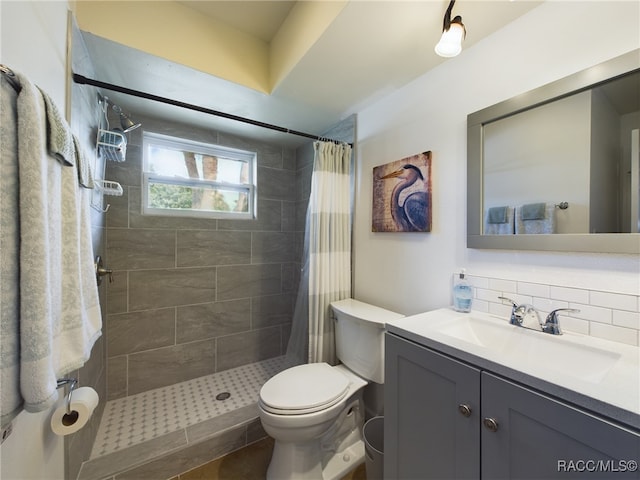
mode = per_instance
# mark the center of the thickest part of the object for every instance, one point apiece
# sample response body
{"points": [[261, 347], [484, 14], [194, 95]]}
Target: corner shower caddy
{"points": [[112, 145]]}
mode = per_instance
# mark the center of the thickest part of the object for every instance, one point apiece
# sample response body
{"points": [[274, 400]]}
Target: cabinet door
{"points": [[426, 434], [538, 437]]}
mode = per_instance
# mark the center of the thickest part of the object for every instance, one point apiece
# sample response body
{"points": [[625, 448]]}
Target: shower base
{"points": [[166, 431]]}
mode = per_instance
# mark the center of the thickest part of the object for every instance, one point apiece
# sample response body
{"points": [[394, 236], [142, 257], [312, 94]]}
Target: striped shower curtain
{"points": [[329, 236]]}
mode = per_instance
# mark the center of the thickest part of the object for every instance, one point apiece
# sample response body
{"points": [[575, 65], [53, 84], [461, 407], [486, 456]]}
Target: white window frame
{"points": [[184, 144]]}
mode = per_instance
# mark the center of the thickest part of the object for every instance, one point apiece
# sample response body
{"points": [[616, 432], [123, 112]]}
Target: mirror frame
{"points": [[626, 243]]}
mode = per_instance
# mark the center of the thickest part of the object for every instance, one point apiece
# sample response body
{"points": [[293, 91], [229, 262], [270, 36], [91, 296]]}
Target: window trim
{"points": [[185, 144]]}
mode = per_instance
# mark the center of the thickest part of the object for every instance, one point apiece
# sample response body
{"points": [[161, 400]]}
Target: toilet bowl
{"points": [[315, 411]]}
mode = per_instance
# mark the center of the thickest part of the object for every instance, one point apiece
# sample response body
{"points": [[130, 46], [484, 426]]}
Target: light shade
{"points": [[450, 43]]}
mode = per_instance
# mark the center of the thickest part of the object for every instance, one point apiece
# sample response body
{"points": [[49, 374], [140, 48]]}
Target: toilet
{"points": [[314, 412]]}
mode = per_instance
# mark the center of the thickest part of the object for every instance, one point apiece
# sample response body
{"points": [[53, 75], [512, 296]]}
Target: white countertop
{"points": [[597, 374]]}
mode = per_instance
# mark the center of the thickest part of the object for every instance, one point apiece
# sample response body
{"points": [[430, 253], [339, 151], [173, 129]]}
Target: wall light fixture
{"points": [[453, 33]]}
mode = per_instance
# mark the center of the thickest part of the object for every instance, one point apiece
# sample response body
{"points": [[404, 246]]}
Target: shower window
{"points": [[187, 178]]}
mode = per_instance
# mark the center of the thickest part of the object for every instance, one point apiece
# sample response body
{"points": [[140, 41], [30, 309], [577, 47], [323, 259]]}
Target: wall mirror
{"points": [[571, 148]]}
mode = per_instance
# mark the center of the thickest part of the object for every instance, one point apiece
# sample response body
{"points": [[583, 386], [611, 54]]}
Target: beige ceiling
{"points": [[262, 19], [332, 66]]}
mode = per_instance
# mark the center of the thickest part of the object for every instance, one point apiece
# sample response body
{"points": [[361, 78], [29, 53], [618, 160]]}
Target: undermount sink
{"points": [[554, 354]]}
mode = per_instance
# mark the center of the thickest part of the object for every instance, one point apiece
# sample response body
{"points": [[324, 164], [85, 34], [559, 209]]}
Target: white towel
{"points": [[537, 226], [9, 257], [505, 228], [59, 310]]}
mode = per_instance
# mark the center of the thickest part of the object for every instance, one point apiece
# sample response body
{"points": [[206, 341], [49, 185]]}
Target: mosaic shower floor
{"points": [[137, 418]]}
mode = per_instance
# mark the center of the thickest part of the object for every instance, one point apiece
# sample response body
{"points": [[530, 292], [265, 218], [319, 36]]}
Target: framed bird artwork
{"points": [[402, 195]]}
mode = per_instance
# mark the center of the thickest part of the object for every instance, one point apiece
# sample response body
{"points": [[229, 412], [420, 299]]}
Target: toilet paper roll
{"points": [[84, 400]]}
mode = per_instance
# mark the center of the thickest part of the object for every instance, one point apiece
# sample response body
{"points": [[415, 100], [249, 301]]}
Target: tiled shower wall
{"points": [[84, 121], [608, 315], [192, 296]]}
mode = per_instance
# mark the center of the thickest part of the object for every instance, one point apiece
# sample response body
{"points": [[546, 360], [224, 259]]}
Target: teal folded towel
{"points": [[497, 215], [59, 137], [533, 211]]}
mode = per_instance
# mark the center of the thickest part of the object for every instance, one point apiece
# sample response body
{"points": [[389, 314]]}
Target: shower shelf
{"points": [[112, 144], [109, 187]]}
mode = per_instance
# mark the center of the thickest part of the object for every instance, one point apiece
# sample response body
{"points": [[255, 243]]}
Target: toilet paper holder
{"points": [[72, 382]]}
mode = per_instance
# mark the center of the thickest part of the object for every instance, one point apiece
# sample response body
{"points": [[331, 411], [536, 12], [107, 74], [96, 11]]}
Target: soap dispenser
{"points": [[462, 294]]}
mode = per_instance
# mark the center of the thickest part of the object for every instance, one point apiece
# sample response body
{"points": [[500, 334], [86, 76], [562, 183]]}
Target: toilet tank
{"points": [[360, 331]]}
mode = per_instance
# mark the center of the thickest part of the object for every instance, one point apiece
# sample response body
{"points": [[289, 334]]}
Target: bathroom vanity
{"points": [[470, 396]]}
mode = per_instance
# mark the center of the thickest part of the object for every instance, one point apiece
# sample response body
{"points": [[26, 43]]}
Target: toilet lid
{"points": [[304, 389]]}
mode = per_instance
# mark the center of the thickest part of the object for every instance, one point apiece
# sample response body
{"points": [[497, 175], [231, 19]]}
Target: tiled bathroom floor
{"points": [[138, 418]]}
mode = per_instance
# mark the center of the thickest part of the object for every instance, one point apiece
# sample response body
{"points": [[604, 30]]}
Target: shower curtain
{"points": [[326, 270]]}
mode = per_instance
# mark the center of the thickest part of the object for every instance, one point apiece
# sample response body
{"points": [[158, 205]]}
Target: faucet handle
{"points": [[552, 324], [513, 304], [517, 312]]}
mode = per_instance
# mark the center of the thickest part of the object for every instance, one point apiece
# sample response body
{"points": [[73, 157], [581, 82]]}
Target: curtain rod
{"points": [[136, 93]]}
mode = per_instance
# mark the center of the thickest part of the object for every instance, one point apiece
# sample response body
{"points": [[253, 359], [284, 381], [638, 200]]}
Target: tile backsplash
{"points": [[611, 316]]}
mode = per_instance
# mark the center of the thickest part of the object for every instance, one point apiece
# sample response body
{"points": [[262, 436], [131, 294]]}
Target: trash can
{"points": [[373, 433]]}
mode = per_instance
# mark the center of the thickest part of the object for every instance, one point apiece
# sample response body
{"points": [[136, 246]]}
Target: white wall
{"points": [[34, 42], [412, 272]]}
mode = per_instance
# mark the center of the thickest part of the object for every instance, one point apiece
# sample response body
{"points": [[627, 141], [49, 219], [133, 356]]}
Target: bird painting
{"points": [[402, 195]]}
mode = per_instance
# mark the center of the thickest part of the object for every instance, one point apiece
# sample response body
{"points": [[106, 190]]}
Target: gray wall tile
{"points": [[288, 159], [129, 172], [202, 247], [247, 347], [169, 365], [272, 247], [137, 331], [290, 277], [117, 292], [129, 249], [271, 310], [289, 216], [118, 213], [209, 320], [269, 217], [285, 335], [166, 288], [248, 281], [276, 184], [116, 377]]}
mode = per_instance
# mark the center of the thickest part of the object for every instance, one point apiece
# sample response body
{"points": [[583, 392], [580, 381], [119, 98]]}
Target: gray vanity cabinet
{"points": [[432, 407], [540, 437], [445, 419]]}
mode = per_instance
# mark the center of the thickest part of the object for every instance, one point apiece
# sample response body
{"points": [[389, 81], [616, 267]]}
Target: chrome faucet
{"points": [[552, 325]]}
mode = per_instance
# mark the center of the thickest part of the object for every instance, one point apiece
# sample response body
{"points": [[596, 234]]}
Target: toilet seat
{"points": [[304, 389]]}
